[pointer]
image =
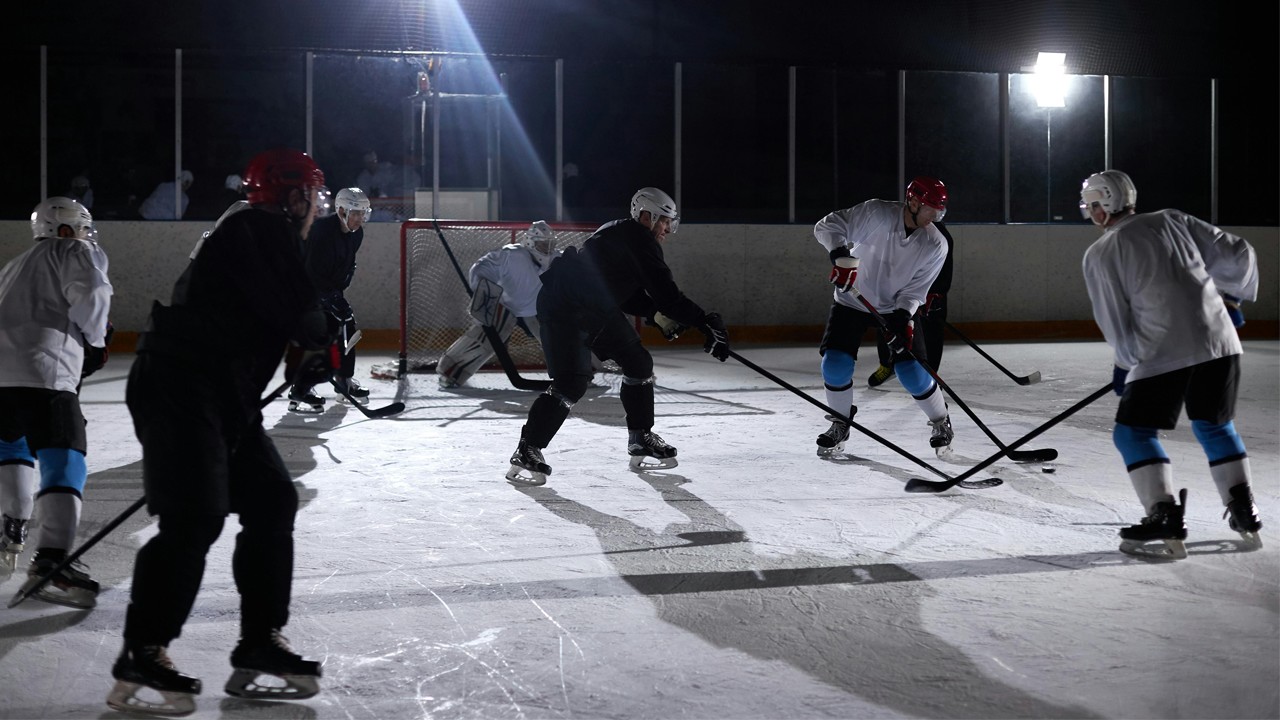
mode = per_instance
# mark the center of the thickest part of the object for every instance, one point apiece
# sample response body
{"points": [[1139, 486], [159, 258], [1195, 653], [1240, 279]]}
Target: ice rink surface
{"points": [[756, 580]]}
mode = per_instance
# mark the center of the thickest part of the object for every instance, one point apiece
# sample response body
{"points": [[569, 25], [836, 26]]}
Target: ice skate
{"points": [[1160, 535], [149, 668], [832, 440], [1243, 516], [882, 373], [12, 540], [269, 668], [527, 466], [349, 386], [940, 439], [649, 451], [71, 586], [305, 402]]}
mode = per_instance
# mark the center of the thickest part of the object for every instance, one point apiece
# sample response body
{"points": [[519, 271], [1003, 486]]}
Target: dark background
{"points": [[111, 97]]}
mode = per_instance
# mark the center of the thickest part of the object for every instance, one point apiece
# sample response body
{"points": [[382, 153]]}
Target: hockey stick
{"points": [[930, 486], [495, 340], [1031, 379], [385, 411], [972, 485], [1043, 455], [27, 592]]}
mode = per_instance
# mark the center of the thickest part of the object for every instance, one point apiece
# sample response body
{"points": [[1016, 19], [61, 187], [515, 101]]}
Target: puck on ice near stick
{"points": [[1048, 468]]}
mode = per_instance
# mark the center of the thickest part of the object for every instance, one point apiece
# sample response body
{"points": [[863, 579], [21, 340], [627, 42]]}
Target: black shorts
{"points": [[1208, 390], [46, 418], [846, 328]]}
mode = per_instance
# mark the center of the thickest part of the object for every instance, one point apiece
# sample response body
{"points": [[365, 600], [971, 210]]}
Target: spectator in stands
{"points": [[160, 204]]}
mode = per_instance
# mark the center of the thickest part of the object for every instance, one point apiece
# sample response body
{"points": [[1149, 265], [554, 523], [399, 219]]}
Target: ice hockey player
{"points": [[194, 391], [330, 256], [585, 293], [890, 253], [54, 301], [504, 285], [1166, 289], [931, 320]]}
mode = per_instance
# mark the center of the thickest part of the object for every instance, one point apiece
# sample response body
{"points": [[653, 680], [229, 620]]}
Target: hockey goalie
{"points": [[505, 284]]}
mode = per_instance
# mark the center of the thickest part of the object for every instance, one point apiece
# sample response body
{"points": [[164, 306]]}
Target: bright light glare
{"points": [[1050, 80]]}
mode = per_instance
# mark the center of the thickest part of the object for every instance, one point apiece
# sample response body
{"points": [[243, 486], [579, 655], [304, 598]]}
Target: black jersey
{"points": [[621, 267], [330, 254]]}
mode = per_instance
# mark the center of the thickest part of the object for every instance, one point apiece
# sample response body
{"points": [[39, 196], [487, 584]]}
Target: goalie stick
{"points": [[27, 592], [1041, 455], [499, 347], [919, 485], [950, 482], [1031, 379]]}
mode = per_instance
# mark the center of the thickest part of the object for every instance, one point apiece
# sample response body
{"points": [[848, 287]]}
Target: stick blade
{"points": [[17, 598], [920, 485], [1038, 456], [394, 408], [1031, 379]]}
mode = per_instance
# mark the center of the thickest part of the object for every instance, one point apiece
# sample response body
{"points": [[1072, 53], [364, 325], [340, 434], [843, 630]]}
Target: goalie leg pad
{"points": [[464, 357]]}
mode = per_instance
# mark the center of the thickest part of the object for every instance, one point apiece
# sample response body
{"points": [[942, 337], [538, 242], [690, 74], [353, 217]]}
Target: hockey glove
{"points": [[670, 327], [844, 272], [1118, 375], [933, 302], [311, 367], [902, 330], [717, 340], [96, 357], [1233, 310], [337, 307]]}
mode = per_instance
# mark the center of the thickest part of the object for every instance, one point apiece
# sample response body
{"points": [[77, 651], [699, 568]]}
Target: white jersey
{"points": [[1156, 281], [514, 269], [895, 269], [54, 298]]}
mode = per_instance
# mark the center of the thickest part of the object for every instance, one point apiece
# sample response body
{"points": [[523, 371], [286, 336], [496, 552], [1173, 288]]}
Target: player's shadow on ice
{"points": [[273, 709], [837, 623]]}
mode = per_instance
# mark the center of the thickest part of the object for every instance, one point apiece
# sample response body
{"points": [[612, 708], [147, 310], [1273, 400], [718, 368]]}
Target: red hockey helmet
{"points": [[929, 191], [272, 173]]}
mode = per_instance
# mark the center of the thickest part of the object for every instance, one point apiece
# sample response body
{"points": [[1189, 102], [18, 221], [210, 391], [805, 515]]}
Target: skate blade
{"points": [[1168, 549], [245, 684], [826, 451], [643, 463], [124, 698], [520, 476], [1252, 541], [304, 409], [9, 560], [74, 597]]}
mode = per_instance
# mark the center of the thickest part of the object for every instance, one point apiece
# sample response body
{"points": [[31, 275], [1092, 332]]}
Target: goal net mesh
{"points": [[435, 262]]}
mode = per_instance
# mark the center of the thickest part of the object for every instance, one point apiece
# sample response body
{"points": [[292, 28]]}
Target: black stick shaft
{"points": [[983, 353], [840, 415]]}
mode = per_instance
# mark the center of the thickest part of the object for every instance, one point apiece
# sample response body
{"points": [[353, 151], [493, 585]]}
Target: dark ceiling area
{"points": [[1171, 38]]}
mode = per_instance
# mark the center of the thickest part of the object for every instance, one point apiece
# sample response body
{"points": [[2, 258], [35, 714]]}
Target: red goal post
{"points": [[435, 260]]}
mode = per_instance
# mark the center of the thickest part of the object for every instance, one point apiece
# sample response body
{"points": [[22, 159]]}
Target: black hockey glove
{"points": [[95, 358], [670, 327], [1118, 377], [311, 367], [717, 340], [933, 303], [337, 306], [901, 332]]}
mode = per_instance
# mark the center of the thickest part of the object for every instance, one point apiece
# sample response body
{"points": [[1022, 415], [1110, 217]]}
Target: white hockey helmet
{"points": [[657, 203], [56, 212], [1112, 190], [351, 200], [539, 239]]}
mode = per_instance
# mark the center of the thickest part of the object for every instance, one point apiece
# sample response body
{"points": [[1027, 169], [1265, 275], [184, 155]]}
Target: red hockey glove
{"points": [[844, 272]]}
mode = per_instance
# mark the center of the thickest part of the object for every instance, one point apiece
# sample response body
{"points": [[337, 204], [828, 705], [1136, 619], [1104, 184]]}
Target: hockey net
{"points": [[435, 261]]}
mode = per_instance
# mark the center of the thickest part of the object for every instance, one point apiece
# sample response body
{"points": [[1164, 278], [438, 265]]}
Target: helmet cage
{"points": [[539, 239], [55, 212]]}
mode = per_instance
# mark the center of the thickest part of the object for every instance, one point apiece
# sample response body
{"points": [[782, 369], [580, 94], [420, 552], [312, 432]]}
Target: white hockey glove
{"points": [[670, 327]]}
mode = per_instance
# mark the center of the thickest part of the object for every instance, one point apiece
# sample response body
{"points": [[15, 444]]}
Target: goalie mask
{"points": [[55, 212], [1110, 190], [656, 203], [352, 206], [540, 240]]}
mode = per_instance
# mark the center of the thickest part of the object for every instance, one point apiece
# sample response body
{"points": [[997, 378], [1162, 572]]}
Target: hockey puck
{"points": [[1048, 468]]}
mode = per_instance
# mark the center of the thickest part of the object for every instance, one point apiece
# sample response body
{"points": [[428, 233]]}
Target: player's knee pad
{"points": [[273, 510], [1138, 445], [837, 368], [566, 394], [16, 453], [626, 380], [62, 470], [1219, 440], [914, 378], [192, 533]]}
